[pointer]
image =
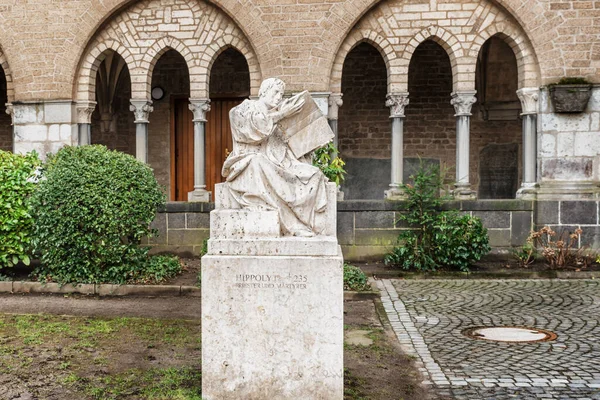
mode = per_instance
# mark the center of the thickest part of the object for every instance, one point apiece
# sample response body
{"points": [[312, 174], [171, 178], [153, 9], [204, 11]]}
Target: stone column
{"points": [[396, 102], [335, 102], [529, 104], [142, 110], [84, 122], [462, 102], [199, 107]]}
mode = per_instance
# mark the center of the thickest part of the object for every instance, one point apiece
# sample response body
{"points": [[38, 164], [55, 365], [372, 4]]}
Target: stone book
{"points": [[307, 130]]}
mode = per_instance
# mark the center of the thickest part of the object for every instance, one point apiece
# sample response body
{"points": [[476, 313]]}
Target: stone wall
{"points": [[367, 230], [569, 147], [37, 36]]}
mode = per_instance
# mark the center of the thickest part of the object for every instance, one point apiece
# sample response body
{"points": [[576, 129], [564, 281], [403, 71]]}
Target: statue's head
{"points": [[271, 92]]}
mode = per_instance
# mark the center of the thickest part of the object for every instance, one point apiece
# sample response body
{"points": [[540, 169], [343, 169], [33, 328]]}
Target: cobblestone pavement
{"points": [[429, 317]]}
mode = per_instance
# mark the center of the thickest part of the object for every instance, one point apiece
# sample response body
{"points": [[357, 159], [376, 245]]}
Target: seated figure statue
{"points": [[262, 172]]}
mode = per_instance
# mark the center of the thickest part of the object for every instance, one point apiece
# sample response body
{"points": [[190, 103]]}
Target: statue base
{"points": [[272, 326]]}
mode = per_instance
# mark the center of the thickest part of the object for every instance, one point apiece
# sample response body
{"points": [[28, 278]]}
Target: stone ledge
{"points": [[100, 290]]}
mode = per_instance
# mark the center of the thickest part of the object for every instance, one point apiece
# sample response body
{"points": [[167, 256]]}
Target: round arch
{"points": [[527, 65], [380, 43]]}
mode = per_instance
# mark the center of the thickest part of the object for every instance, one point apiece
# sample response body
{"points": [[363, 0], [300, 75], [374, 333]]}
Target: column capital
{"points": [[463, 102], [199, 107], [397, 102], [529, 100], [142, 110], [85, 110], [10, 110], [335, 102]]}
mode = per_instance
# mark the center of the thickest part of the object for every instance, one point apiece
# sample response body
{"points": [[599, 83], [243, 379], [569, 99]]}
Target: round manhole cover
{"points": [[511, 334]]}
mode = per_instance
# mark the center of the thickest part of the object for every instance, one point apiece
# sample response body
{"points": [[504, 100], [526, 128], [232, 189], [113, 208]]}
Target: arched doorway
{"points": [[430, 127], [364, 133], [229, 86], [171, 129], [496, 125], [111, 121]]}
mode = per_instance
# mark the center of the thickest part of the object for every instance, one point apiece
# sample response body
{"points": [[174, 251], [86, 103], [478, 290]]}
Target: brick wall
{"points": [[430, 125], [229, 75], [364, 125], [6, 135]]}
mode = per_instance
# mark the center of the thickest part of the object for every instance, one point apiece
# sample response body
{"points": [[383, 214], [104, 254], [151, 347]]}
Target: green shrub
{"points": [[92, 212], [158, 269], [355, 279], [328, 161], [438, 238], [16, 222]]}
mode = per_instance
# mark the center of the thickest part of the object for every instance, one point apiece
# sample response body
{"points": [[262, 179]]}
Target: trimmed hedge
{"points": [[17, 183], [92, 211]]}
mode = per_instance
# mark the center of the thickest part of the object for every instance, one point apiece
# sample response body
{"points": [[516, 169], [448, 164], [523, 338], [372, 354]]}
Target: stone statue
{"points": [[262, 172]]}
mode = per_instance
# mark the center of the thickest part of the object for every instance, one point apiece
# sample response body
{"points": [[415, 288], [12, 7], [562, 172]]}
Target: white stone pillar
{"points": [[142, 110], [463, 102], [84, 122], [397, 102], [335, 102], [529, 105], [199, 107]]}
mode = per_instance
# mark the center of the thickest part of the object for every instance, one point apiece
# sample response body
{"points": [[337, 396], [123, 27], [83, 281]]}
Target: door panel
{"points": [[218, 139], [218, 142], [182, 181]]}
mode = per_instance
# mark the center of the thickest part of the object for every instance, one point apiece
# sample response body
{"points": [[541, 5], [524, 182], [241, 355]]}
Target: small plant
{"points": [[332, 166], [437, 238], [91, 212], [355, 279], [157, 269], [573, 81], [525, 255], [17, 183], [561, 250]]}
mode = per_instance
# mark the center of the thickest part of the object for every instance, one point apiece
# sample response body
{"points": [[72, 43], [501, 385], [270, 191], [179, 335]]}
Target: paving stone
{"points": [[458, 367]]}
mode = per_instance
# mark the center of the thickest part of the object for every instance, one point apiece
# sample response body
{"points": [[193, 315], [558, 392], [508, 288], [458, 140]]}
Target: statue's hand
{"points": [[291, 106]]}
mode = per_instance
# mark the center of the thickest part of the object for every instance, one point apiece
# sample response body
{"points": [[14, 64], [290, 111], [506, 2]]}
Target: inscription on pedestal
{"points": [[276, 282]]}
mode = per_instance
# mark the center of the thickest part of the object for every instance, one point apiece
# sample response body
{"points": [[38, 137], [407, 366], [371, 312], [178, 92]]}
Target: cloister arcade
{"points": [[456, 88]]}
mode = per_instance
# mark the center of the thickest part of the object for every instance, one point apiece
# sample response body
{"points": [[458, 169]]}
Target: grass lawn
{"points": [[75, 358]]}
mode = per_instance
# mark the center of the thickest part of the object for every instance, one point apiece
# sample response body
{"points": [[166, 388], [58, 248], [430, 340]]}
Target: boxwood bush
{"points": [[92, 211], [17, 183]]}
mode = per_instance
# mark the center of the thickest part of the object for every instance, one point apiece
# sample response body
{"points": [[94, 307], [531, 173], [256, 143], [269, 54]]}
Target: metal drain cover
{"points": [[511, 334]]}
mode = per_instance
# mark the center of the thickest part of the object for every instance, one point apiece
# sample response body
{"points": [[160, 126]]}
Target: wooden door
{"points": [[218, 139], [182, 149]]}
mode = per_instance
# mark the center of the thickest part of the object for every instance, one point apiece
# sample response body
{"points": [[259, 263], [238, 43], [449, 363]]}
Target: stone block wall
{"points": [[568, 215], [569, 144], [44, 127], [6, 133]]}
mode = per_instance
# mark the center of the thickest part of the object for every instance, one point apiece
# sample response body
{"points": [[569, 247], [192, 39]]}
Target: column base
{"points": [[395, 194], [463, 191], [527, 191], [568, 190], [199, 196]]}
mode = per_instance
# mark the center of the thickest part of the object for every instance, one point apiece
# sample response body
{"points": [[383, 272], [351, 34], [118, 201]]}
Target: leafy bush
{"points": [[437, 238], [355, 279], [92, 212], [158, 269], [16, 222], [330, 163]]}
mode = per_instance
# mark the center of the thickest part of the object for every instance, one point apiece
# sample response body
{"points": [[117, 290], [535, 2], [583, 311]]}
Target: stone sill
{"points": [[379, 205], [18, 287]]}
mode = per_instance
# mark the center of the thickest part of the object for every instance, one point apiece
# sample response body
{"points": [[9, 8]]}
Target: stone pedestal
{"points": [[272, 309]]}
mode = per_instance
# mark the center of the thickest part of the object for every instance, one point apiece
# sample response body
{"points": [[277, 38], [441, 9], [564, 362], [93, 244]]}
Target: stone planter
{"points": [[570, 98]]}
